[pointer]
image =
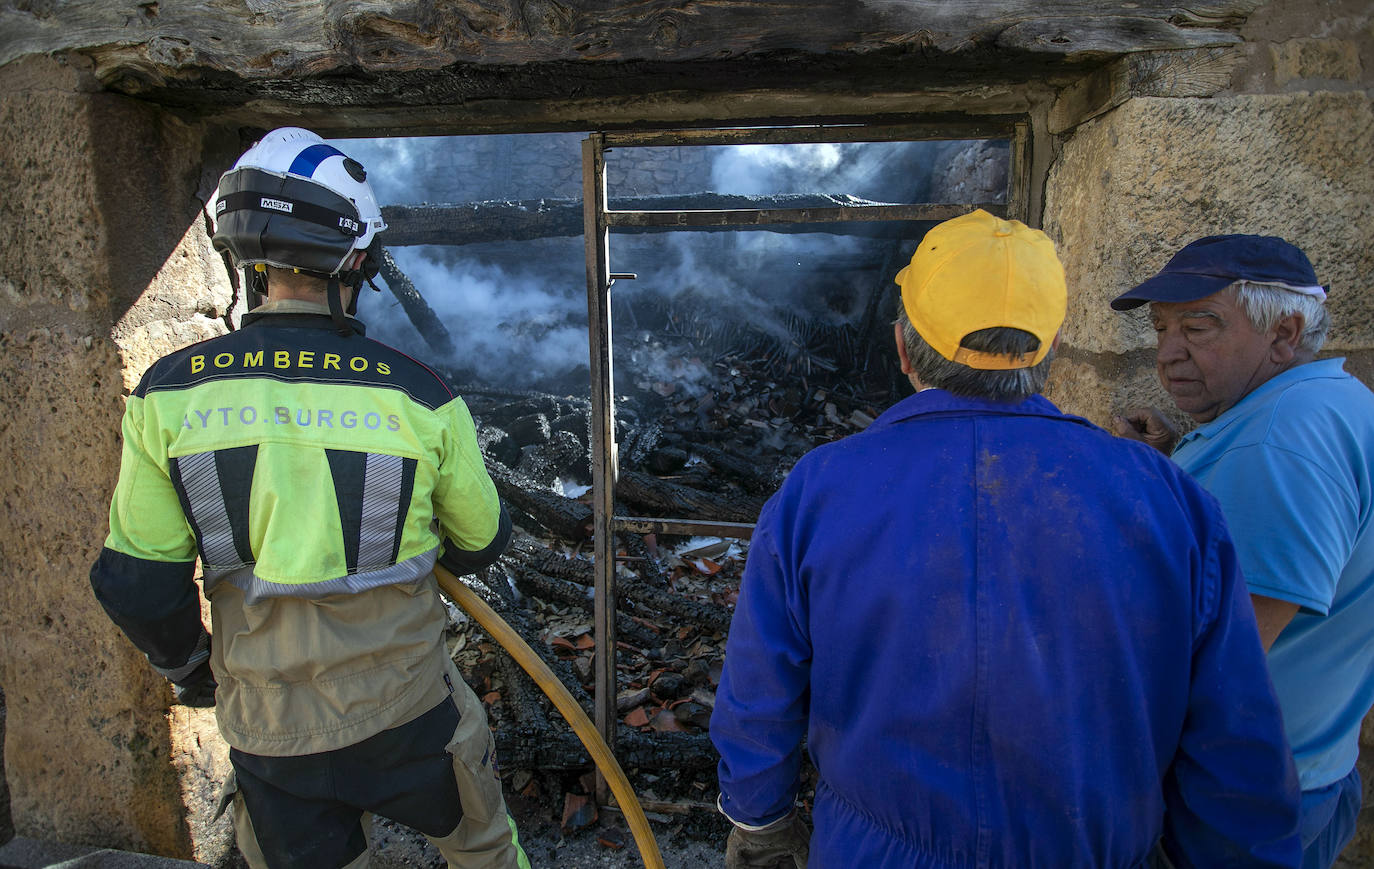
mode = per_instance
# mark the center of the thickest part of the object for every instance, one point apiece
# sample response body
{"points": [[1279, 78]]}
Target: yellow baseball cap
{"points": [[982, 272]]}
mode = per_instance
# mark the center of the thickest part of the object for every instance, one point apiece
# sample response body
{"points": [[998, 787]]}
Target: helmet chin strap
{"points": [[255, 284], [336, 310]]}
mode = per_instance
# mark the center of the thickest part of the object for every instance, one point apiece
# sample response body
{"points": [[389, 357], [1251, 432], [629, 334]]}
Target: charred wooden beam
{"points": [[522, 623], [710, 616], [849, 219], [546, 462], [524, 721], [494, 580], [527, 736], [531, 734], [517, 402], [750, 474], [408, 59], [421, 315], [650, 492], [692, 751], [523, 220], [1199, 72], [569, 519], [531, 429], [527, 553], [496, 444], [653, 571], [929, 131]]}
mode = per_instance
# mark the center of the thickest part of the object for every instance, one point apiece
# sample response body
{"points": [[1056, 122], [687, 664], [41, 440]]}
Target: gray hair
{"points": [[1013, 385], [1265, 304]]}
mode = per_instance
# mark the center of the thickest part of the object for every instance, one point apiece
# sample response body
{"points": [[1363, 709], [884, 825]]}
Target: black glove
{"points": [[196, 689], [783, 844]]}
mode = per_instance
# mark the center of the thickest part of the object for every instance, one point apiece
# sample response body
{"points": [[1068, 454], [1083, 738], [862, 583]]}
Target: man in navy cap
{"points": [[1285, 441]]}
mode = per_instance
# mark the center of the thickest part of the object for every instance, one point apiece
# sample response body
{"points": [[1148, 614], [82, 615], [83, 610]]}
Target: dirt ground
{"points": [[691, 839]]}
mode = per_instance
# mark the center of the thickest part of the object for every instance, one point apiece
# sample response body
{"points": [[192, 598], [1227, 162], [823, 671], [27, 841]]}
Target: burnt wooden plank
{"points": [[421, 315], [308, 40], [944, 131], [685, 527], [746, 217], [523, 220], [555, 747], [551, 577], [756, 477], [548, 588], [603, 447], [569, 519], [645, 490], [1191, 73]]}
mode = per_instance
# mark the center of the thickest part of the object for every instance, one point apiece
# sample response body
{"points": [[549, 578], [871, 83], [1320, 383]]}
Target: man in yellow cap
{"points": [[1006, 637]]}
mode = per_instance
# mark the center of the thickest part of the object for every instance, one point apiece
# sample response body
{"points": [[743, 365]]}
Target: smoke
{"points": [[444, 169], [517, 311], [882, 171], [510, 327]]}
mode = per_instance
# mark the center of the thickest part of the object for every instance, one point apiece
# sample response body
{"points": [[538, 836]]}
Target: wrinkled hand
{"points": [[783, 844], [197, 689], [1147, 425]]}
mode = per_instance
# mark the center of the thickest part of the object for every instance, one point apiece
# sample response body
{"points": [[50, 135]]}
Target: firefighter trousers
{"points": [[436, 774]]}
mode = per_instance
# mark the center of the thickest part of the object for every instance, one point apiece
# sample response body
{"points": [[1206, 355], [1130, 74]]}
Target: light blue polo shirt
{"points": [[1293, 466]]}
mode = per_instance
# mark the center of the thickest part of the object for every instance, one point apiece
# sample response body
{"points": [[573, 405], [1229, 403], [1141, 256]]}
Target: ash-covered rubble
{"points": [[699, 437]]}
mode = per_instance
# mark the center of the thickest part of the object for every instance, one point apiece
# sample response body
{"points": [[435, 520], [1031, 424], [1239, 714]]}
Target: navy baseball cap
{"points": [[1211, 264]]}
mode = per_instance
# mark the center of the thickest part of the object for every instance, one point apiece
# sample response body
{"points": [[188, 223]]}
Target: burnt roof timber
{"points": [[814, 132], [751, 217], [522, 220], [958, 106], [266, 59]]}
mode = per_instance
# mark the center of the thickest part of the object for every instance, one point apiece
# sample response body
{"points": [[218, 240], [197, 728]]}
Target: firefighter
{"points": [[316, 475]]}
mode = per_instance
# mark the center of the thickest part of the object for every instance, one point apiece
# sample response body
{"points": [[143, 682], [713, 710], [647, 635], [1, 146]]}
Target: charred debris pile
{"points": [[701, 434]]}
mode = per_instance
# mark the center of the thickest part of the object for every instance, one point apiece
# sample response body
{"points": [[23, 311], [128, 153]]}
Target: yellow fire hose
{"points": [[566, 704]]}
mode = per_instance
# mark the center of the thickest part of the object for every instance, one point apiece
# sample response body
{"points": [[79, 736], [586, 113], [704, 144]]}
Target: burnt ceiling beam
{"points": [[421, 315], [268, 56], [524, 220]]}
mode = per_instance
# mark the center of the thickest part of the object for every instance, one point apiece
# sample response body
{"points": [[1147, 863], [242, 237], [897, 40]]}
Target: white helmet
{"points": [[295, 201]]}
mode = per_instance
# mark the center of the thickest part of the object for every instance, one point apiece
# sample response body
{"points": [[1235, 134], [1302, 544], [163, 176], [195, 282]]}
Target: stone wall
{"points": [[105, 266]]}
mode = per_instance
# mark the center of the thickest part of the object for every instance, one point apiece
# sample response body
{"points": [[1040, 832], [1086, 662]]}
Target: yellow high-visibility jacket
{"points": [[316, 477]]}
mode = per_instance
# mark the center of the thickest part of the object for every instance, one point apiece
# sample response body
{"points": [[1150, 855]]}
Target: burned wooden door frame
{"points": [[598, 220]]}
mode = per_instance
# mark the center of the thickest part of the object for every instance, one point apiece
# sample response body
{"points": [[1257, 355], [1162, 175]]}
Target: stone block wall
{"points": [[105, 266]]}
